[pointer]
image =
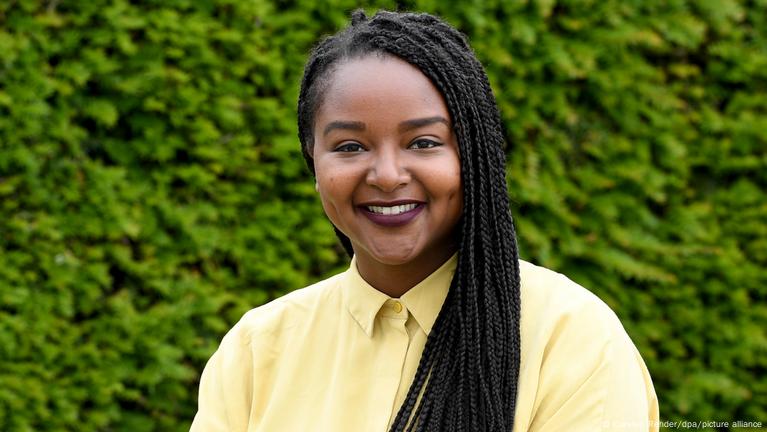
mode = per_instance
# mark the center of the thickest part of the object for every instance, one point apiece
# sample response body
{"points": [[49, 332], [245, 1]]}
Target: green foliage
{"points": [[152, 188]]}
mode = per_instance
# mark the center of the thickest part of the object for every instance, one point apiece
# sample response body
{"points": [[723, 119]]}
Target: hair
{"points": [[468, 371]]}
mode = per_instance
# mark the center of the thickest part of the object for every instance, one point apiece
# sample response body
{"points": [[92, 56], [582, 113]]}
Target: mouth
{"points": [[391, 210], [392, 214]]}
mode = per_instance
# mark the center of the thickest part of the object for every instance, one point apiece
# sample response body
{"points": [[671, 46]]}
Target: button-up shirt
{"points": [[340, 356]]}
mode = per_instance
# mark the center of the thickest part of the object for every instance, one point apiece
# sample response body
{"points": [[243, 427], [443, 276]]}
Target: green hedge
{"points": [[152, 188]]}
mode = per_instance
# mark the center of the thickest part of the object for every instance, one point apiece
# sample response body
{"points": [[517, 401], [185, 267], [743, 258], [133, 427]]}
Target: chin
{"points": [[393, 260], [393, 257]]}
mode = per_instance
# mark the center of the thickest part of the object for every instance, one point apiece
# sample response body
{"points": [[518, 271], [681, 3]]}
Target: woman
{"points": [[436, 325]]}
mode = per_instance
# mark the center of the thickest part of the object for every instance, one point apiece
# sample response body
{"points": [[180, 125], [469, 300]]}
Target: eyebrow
{"points": [[348, 125], [421, 122], [403, 127]]}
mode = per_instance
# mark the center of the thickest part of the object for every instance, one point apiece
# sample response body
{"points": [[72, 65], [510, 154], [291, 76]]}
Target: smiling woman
{"points": [[388, 170], [437, 325]]}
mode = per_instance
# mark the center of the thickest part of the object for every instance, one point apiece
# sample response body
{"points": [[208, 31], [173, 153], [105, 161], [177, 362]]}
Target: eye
{"points": [[423, 143], [349, 147]]}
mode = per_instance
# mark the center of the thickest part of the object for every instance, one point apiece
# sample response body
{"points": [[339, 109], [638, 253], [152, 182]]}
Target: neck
{"points": [[395, 280]]}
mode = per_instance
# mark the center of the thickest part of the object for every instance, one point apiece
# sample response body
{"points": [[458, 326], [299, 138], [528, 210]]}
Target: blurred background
{"points": [[152, 188]]}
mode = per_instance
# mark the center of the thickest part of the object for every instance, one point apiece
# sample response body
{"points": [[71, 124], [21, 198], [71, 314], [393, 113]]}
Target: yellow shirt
{"points": [[340, 356]]}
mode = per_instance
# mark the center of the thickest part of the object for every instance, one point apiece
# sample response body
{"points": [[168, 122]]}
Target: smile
{"points": [[392, 216], [393, 210]]}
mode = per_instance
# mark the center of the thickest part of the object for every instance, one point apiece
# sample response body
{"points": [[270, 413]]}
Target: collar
{"points": [[423, 301]]}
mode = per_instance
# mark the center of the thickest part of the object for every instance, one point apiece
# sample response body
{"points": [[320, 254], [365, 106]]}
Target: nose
{"points": [[387, 170]]}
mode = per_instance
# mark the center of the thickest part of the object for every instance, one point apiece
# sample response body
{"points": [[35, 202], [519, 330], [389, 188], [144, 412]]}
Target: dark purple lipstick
{"points": [[392, 220]]}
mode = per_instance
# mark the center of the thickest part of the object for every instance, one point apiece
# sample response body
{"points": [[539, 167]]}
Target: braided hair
{"points": [[467, 375]]}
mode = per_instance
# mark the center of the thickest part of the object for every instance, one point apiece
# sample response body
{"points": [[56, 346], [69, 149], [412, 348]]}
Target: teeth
{"points": [[393, 210]]}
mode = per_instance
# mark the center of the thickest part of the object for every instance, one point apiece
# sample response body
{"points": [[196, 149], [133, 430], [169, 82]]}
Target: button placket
{"points": [[394, 309], [393, 317], [397, 306]]}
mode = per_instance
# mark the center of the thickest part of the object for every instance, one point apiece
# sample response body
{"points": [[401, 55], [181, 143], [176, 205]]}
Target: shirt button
{"points": [[397, 306]]}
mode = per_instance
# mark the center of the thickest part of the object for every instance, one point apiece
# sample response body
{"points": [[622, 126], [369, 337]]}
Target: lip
{"points": [[382, 203], [392, 220]]}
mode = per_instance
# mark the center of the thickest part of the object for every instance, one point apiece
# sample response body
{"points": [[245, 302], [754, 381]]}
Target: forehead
{"points": [[382, 84]]}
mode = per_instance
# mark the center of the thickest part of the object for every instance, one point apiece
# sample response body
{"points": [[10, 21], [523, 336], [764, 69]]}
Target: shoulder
{"points": [[241, 367], [566, 331], [550, 300], [283, 314], [579, 368]]}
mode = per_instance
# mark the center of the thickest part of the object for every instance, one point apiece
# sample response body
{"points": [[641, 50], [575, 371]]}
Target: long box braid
{"points": [[467, 375]]}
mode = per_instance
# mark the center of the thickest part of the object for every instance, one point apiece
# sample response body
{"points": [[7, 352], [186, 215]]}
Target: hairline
{"points": [[321, 83]]}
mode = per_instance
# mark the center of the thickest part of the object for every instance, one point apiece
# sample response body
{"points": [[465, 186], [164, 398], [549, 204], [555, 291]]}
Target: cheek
{"points": [[325, 187], [452, 180], [445, 185], [332, 190], [325, 190], [453, 189]]}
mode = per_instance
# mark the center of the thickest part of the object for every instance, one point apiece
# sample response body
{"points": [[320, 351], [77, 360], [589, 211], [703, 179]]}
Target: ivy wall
{"points": [[152, 188]]}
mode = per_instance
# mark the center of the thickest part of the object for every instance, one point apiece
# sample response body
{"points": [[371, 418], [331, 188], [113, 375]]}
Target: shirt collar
{"points": [[423, 301]]}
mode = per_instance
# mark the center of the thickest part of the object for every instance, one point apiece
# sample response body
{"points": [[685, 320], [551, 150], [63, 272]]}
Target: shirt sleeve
{"points": [[594, 379], [226, 387]]}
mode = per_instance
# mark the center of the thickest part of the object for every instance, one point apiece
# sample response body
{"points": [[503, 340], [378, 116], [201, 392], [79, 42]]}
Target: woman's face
{"points": [[387, 163]]}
